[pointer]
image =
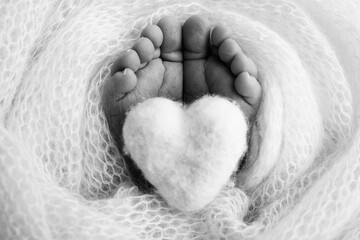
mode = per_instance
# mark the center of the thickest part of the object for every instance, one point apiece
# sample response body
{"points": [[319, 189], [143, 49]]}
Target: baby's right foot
{"points": [[214, 63]]}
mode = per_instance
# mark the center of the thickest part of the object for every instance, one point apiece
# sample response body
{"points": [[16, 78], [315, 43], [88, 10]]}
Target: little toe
{"points": [[129, 59], [119, 84], [196, 37], [249, 88], [145, 49], [172, 40]]}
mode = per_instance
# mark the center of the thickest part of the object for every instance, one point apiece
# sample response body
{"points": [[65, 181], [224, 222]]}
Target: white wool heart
{"points": [[187, 153]]}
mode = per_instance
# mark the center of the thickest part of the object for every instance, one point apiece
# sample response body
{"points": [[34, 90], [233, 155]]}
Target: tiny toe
{"points": [[228, 49], [249, 88], [153, 33], [129, 59], [241, 63], [231, 53], [172, 40], [145, 49], [196, 37], [218, 35], [119, 84]]}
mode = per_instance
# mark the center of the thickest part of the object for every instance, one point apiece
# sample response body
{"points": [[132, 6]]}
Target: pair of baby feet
{"points": [[183, 63]]}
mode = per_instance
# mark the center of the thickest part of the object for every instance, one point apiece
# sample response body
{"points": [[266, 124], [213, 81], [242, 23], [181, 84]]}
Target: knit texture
{"points": [[61, 176]]}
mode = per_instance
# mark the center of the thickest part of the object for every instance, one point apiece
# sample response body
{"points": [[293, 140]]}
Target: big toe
{"points": [[172, 40], [196, 45], [196, 37]]}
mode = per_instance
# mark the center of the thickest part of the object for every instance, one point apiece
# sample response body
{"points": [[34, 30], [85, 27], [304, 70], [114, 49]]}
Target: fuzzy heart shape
{"points": [[187, 152]]}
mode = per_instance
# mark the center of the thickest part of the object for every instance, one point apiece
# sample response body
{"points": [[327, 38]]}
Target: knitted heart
{"points": [[187, 152]]}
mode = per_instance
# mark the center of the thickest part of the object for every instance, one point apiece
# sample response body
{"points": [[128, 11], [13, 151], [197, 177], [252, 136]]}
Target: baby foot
{"points": [[214, 63], [151, 68]]}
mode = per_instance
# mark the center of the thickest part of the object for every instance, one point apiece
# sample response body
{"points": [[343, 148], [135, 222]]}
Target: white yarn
{"points": [[187, 154], [61, 176]]}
